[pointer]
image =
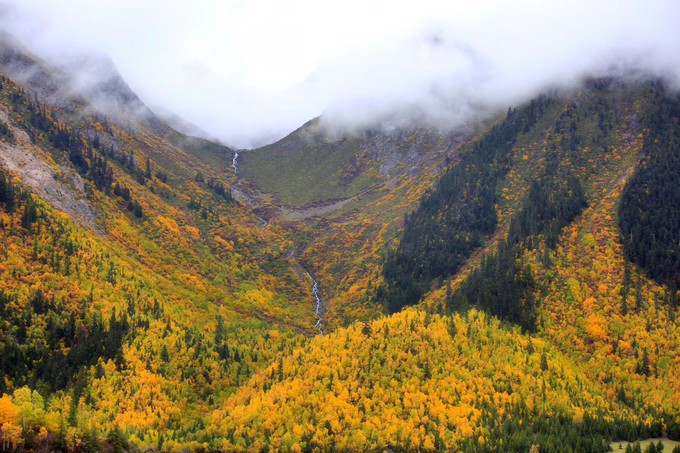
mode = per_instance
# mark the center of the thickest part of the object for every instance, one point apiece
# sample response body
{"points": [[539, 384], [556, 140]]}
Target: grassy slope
{"points": [[307, 167], [345, 249]]}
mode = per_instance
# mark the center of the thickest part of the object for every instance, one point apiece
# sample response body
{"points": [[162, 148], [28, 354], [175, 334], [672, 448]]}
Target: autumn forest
{"points": [[508, 286]]}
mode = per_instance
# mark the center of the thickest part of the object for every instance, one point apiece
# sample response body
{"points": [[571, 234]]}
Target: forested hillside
{"points": [[548, 259], [416, 381], [649, 209], [506, 287], [147, 298]]}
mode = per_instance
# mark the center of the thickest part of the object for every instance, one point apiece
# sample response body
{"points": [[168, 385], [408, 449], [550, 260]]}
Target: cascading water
{"points": [[318, 305], [316, 289], [234, 163]]}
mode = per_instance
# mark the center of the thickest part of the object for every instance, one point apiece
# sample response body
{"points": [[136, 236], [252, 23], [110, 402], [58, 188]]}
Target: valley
{"points": [[319, 307], [507, 285]]}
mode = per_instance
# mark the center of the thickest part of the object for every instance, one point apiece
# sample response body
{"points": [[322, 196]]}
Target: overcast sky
{"points": [[250, 71]]}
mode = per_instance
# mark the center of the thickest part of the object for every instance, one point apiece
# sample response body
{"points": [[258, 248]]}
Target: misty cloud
{"points": [[249, 72]]}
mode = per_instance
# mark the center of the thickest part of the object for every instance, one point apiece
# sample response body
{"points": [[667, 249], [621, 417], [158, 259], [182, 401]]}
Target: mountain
{"points": [[539, 221], [511, 286], [354, 163], [126, 265], [83, 84]]}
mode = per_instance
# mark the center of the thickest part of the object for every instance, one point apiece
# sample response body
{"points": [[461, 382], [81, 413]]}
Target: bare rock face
{"points": [[401, 150], [61, 187]]}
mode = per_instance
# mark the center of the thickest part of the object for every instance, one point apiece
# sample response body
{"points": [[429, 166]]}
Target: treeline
{"points": [[13, 197], [457, 215], [8, 193], [205, 205], [649, 213], [128, 162], [6, 133], [651, 448], [132, 204]]}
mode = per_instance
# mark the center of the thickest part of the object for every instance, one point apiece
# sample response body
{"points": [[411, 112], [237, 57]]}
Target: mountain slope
{"points": [[417, 382], [126, 266], [344, 197], [552, 261], [143, 307], [315, 165]]}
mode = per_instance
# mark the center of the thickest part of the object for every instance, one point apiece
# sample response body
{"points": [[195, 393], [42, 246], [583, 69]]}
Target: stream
{"points": [[318, 303], [319, 310]]}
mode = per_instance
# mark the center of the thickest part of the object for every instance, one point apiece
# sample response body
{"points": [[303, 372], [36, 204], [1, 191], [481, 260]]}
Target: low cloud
{"points": [[249, 72]]}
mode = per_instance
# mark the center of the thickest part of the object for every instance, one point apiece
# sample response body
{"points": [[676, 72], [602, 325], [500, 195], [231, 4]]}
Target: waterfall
{"points": [[234, 163]]}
